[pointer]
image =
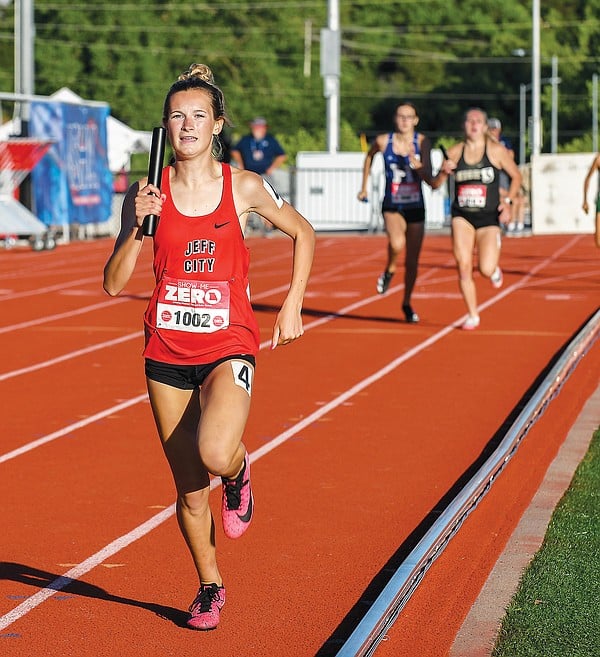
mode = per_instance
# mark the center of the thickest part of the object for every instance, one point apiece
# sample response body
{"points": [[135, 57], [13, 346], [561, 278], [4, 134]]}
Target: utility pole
{"points": [[522, 121], [536, 127], [24, 79], [595, 112], [24, 57], [330, 71], [555, 81]]}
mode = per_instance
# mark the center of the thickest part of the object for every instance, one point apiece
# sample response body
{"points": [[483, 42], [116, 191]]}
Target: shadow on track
{"points": [[310, 312], [42, 579]]}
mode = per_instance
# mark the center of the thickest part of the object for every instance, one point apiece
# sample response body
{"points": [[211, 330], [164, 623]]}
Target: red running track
{"points": [[358, 431]]}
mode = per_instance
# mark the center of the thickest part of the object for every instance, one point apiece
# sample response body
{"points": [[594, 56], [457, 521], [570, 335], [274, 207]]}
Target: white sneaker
{"points": [[497, 278], [472, 322], [383, 282]]}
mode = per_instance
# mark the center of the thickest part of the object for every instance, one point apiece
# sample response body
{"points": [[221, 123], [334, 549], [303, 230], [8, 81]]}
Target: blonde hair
{"points": [[200, 76], [201, 71]]}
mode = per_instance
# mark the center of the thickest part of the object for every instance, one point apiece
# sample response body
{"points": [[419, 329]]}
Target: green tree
{"points": [[443, 55]]}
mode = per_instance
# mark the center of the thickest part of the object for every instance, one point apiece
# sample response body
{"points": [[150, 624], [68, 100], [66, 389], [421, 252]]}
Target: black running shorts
{"points": [[411, 215], [187, 377]]}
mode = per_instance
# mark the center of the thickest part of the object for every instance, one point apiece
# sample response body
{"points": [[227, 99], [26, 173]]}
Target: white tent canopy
{"points": [[123, 141]]}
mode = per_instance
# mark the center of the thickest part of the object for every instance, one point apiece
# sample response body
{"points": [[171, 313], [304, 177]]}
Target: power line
{"points": [[252, 6], [362, 50]]}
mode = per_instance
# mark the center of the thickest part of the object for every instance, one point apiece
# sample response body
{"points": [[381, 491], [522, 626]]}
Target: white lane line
{"points": [[85, 350], [69, 313], [42, 441], [118, 544], [71, 427], [126, 297], [50, 288], [311, 325], [353, 306], [84, 567], [71, 354], [62, 432]]}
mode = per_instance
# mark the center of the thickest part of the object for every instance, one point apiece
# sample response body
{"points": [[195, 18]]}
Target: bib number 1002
{"points": [[187, 318], [193, 320], [193, 306]]}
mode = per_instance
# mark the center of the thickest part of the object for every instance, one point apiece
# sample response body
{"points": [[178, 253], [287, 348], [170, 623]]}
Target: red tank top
{"points": [[200, 309]]}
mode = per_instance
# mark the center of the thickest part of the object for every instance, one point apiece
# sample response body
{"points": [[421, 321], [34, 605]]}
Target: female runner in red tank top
{"points": [[200, 330], [478, 210]]}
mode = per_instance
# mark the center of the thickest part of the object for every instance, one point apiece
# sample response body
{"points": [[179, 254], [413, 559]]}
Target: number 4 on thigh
{"points": [[242, 375]]}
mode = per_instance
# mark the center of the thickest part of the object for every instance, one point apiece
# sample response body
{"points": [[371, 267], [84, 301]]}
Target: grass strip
{"points": [[556, 610]]}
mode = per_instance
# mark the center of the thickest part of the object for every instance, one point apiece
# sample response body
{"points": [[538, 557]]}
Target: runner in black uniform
{"points": [[476, 192], [478, 209]]}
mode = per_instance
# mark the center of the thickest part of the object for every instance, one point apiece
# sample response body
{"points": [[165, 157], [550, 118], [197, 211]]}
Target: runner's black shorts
{"points": [[187, 377], [477, 219], [411, 215]]}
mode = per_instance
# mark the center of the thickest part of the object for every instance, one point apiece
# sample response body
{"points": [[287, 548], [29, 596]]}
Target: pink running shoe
{"points": [[497, 278], [237, 503], [205, 611]]}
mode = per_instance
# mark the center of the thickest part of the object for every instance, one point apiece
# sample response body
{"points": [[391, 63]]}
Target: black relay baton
{"points": [[157, 155], [444, 152]]}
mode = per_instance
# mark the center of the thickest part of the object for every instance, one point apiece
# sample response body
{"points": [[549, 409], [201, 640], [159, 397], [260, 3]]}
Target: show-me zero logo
{"points": [[192, 295], [193, 306]]}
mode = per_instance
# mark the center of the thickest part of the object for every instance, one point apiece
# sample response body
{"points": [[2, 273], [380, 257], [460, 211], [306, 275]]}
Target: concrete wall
{"points": [[557, 193]]}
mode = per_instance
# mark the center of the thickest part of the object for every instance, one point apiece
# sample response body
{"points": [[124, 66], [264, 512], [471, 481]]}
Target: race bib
{"points": [[409, 192], [193, 306], [471, 196]]}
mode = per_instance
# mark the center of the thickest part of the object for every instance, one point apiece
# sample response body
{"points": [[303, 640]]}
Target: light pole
{"points": [[595, 112], [330, 71], [523, 89], [23, 57], [522, 127], [536, 128], [554, 81]]}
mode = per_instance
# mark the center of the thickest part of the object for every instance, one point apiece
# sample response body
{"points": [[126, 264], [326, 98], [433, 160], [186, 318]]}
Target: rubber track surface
{"points": [[360, 431]]}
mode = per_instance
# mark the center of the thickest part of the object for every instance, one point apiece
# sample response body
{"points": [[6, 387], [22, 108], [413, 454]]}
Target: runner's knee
{"points": [[218, 459], [194, 503], [397, 244]]}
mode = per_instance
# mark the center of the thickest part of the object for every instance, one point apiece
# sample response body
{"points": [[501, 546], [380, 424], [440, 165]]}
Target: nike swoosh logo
{"points": [[246, 516], [221, 225]]}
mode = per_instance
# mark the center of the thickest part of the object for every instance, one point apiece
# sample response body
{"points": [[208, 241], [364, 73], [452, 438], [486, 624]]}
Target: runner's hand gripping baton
{"points": [[157, 155]]}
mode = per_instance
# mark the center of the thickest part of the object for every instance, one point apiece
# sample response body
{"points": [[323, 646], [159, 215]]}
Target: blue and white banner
{"points": [[72, 183]]}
